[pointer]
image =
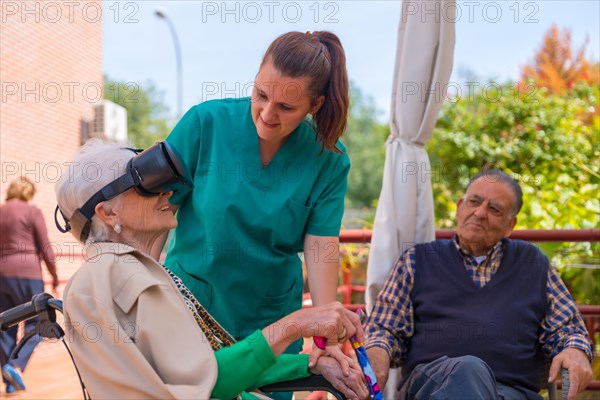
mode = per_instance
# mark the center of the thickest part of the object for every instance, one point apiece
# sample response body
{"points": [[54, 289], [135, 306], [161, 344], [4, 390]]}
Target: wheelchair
{"points": [[44, 306]]}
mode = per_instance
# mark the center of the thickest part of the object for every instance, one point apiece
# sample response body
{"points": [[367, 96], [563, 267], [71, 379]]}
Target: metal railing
{"points": [[531, 235]]}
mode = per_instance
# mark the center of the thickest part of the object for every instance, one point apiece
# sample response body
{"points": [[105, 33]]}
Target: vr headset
{"points": [[156, 170]]}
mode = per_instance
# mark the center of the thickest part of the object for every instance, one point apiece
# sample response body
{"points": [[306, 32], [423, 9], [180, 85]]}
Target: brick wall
{"points": [[51, 75]]}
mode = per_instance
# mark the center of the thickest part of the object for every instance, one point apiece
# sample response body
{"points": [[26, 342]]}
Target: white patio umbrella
{"points": [[404, 213]]}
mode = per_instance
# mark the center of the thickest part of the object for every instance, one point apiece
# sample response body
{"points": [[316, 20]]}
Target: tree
{"points": [[147, 115], [557, 66], [549, 143], [364, 140]]}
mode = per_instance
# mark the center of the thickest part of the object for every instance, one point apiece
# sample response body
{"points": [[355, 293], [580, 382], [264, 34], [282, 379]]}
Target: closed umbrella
{"points": [[423, 65]]}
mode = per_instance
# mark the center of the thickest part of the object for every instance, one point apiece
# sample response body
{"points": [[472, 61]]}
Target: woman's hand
{"points": [[334, 351], [332, 321], [352, 385], [55, 284]]}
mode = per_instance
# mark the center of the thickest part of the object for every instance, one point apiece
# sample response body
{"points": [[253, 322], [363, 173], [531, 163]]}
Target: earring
{"points": [[117, 228]]}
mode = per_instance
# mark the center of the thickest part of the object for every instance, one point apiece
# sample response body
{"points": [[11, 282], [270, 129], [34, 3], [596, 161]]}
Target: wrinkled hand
{"points": [[335, 352], [580, 370], [353, 386]]}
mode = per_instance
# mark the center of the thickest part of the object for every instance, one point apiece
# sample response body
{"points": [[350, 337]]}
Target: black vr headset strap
{"points": [[67, 227], [81, 221]]}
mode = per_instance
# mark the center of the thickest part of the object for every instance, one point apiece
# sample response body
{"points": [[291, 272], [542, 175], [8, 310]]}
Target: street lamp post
{"points": [[162, 13]]}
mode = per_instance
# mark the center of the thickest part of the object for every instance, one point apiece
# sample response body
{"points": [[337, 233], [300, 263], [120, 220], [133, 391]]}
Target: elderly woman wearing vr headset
{"points": [[270, 179], [135, 329]]}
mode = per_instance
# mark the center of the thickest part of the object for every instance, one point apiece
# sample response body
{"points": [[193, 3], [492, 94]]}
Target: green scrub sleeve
{"points": [[186, 139], [250, 363], [326, 216]]}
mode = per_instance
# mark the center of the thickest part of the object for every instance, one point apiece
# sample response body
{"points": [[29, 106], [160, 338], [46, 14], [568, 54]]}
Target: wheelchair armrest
{"points": [[313, 382]]}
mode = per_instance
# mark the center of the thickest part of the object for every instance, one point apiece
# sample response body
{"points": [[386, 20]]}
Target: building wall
{"points": [[51, 76]]}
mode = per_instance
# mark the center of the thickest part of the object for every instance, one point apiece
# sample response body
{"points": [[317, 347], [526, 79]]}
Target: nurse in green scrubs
{"points": [[270, 176]]}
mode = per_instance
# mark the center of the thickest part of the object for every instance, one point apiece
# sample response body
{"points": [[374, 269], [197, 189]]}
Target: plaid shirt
{"points": [[391, 323]]}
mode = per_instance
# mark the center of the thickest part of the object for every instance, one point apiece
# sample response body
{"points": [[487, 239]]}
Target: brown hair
{"points": [[21, 188], [320, 57]]}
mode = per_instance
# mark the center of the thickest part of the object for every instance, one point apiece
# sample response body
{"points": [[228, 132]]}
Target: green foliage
{"points": [[147, 120], [548, 143], [365, 141]]}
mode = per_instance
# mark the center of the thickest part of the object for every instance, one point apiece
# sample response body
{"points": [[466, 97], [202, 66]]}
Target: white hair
{"points": [[93, 166]]}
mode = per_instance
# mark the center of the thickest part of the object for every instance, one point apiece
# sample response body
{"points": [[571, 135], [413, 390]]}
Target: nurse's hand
{"points": [[332, 321]]}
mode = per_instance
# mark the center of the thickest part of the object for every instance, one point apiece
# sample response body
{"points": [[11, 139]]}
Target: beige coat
{"points": [[131, 333]]}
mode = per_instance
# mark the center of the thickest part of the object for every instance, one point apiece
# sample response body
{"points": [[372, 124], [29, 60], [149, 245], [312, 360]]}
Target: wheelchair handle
{"points": [[39, 303]]}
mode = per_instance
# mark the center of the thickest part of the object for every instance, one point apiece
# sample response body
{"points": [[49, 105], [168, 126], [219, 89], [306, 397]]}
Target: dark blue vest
{"points": [[499, 323]]}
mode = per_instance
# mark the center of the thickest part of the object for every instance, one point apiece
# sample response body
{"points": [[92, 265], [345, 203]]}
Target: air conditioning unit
{"points": [[110, 122]]}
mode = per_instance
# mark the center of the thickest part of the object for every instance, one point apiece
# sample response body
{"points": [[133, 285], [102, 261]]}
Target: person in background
{"points": [[270, 177], [157, 340], [475, 317], [23, 244]]}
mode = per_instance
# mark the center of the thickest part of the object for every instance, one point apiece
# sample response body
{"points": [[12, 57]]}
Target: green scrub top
{"points": [[240, 229]]}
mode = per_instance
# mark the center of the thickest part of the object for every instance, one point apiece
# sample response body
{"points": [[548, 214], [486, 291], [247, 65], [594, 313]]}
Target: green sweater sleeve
{"points": [[287, 367], [250, 363]]}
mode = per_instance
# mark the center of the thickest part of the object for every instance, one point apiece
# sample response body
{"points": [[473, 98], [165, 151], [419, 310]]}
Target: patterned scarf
{"points": [[216, 335]]}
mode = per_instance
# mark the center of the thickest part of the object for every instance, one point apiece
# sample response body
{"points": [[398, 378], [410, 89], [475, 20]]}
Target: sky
{"points": [[222, 43]]}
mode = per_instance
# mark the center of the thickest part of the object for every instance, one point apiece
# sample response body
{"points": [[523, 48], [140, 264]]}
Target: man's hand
{"points": [[580, 370], [380, 361], [353, 386]]}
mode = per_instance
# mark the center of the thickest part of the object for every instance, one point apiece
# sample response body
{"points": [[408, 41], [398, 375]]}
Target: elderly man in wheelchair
{"points": [[152, 338]]}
